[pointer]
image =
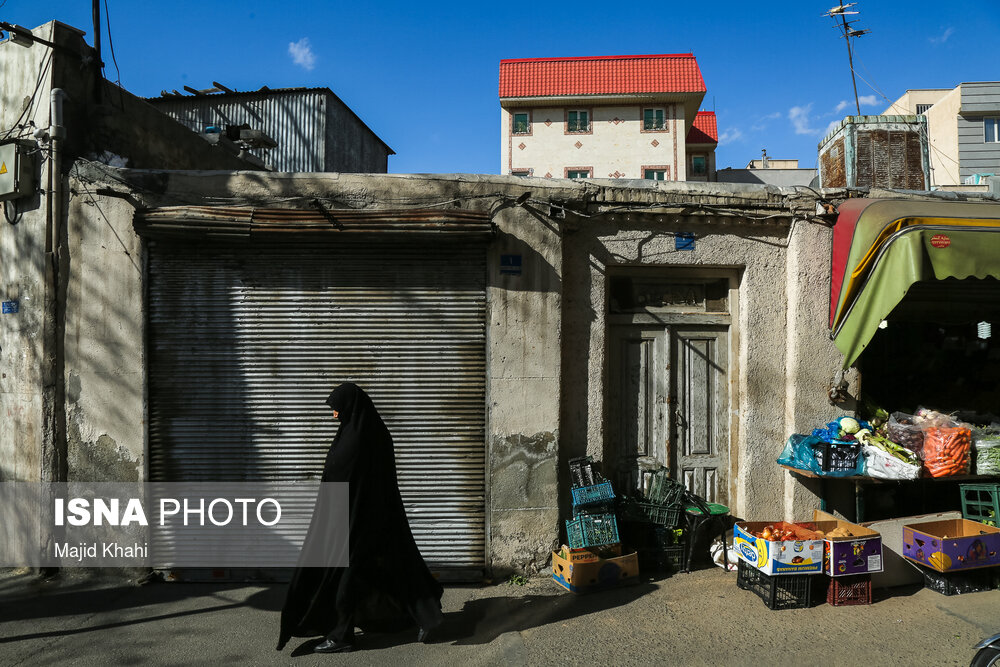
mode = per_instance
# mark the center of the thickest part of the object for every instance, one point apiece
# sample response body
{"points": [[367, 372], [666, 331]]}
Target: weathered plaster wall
{"points": [[813, 360], [755, 251], [524, 336], [23, 352], [105, 384], [104, 341]]}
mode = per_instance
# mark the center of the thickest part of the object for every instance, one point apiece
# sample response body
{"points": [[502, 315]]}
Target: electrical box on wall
{"points": [[17, 173]]}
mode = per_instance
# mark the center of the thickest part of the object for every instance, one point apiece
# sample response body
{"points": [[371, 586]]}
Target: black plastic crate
{"points": [[664, 490], [836, 456], [780, 591], [851, 590], [667, 559], [663, 515], [598, 508], [581, 471], [958, 583]]}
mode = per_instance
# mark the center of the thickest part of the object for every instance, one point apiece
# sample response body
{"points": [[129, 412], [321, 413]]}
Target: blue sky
{"points": [[424, 76]]}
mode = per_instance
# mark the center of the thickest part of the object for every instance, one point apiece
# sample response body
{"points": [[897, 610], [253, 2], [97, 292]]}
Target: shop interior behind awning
{"points": [[915, 300]]}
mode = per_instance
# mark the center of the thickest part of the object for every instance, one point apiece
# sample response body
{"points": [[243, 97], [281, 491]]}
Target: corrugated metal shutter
{"points": [[246, 342]]}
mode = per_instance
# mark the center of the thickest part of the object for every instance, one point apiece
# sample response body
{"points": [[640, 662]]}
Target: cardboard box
{"points": [[845, 556], [956, 544], [897, 570], [586, 577], [800, 556], [591, 554]]}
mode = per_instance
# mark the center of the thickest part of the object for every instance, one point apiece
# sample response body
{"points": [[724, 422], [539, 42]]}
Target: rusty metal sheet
{"points": [[246, 222], [245, 343], [833, 165]]}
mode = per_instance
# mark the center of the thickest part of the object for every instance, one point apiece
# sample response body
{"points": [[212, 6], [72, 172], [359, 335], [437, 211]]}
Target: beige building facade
{"points": [[619, 117], [963, 130]]}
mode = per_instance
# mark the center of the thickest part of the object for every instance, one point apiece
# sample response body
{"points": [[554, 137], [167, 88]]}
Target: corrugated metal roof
{"points": [[208, 99], [600, 75], [705, 129]]}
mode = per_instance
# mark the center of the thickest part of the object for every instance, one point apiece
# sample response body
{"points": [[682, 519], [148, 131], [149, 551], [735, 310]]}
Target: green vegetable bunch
{"points": [[905, 455]]}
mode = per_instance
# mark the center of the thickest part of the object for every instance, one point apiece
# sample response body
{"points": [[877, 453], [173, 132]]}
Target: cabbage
{"points": [[849, 425]]}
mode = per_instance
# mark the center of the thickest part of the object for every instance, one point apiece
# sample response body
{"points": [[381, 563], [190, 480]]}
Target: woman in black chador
{"points": [[386, 578]]}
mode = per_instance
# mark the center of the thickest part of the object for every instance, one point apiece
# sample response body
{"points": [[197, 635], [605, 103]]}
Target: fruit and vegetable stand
{"points": [[926, 448]]}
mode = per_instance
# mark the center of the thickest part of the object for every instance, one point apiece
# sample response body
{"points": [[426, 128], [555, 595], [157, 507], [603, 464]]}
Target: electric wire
{"points": [[111, 44], [31, 101], [921, 128], [125, 249]]}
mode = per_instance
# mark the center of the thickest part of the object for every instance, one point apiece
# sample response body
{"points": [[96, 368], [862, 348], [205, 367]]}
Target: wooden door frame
{"points": [[733, 275]]}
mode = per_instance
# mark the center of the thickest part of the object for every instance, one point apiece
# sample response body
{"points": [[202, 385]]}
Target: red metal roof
{"points": [[705, 130], [600, 75]]}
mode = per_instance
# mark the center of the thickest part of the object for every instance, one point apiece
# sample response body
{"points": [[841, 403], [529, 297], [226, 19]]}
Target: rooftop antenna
{"points": [[841, 11]]}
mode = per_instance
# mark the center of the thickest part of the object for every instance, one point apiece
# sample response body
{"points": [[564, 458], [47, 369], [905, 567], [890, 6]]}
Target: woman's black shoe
{"points": [[425, 636], [330, 646]]}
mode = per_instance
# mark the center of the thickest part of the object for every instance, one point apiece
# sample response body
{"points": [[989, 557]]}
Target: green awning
{"points": [[896, 243]]}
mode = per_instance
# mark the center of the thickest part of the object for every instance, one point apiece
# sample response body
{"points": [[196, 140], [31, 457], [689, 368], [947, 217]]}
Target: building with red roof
{"points": [[606, 117]]}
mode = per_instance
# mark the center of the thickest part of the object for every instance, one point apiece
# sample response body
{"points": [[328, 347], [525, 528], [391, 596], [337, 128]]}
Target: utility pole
{"points": [[841, 12]]}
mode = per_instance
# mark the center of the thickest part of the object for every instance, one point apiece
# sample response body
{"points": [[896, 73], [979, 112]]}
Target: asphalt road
{"points": [[699, 618]]}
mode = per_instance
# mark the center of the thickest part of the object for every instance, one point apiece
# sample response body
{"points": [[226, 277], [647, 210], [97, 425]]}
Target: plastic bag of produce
{"points": [[902, 429], [805, 452], [987, 451], [883, 465], [946, 450]]}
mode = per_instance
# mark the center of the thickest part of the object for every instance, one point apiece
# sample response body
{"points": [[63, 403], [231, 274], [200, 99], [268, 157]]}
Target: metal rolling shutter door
{"points": [[246, 343]]}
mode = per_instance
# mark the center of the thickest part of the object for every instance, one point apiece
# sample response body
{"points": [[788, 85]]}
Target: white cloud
{"points": [[773, 116], [799, 116], [864, 100], [302, 53], [943, 37], [730, 135], [830, 127]]}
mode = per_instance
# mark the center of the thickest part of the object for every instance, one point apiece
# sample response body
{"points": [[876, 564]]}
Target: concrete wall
{"points": [[907, 104], [770, 176], [546, 363], [117, 128], [616, 146], [942, 135], [771, 351], [23, 262], [104, 340]]}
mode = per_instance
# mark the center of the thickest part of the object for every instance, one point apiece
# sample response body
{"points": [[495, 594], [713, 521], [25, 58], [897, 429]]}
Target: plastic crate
{"points": [[981, 502], [668, 559], [856, 589], [596, 508], [664, 490], [663, 515], [837, 456], [590, 495], [591, 530], [780, 591], [958, 583], [581, 471]]}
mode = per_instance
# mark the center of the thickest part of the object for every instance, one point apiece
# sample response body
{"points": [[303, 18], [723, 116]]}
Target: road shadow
{"points": [[480, 620]]}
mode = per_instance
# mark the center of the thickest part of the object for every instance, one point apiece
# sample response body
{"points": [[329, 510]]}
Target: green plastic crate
{"points": [[981, 502], [590, 530]]}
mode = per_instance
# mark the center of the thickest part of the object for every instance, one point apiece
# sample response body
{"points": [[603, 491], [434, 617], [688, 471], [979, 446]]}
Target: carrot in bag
{"points": [[946, 450]]}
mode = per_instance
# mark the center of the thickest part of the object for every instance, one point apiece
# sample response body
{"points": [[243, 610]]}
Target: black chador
{"points": [[387, 581]]}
